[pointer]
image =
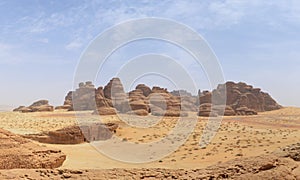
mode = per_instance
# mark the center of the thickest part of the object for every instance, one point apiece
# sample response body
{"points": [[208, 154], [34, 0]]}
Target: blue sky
{"points": [[257, 42]]}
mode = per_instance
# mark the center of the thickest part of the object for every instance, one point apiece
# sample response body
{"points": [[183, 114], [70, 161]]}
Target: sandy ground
{"points": [[239, 136]]}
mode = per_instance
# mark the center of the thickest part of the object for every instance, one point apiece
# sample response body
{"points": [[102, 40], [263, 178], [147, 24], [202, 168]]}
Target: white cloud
{"points": [[74, 45]]}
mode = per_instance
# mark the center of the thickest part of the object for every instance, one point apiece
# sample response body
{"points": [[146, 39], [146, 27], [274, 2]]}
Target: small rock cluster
{"points": [[38, 106]]}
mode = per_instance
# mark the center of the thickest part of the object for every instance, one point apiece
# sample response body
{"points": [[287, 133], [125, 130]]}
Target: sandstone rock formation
{"points": [[38, 106], [207, 109], [83, 98], [105, 111], [76, 134], [139, 112], [18, 152], [242, 98], [145, 89], [68, 105], [87, 97], [113, 88], [188, 101]]}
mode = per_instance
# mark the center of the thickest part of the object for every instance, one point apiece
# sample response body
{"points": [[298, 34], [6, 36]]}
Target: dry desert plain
{"points": [[238, 138]]}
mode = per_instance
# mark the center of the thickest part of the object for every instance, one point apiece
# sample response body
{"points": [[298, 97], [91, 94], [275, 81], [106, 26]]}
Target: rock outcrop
{"points": [[86, 98], [145, 89], [38, 106], [76, 134], [207, 109], [68, 105], [188, 101], [83, 98], [242, 98], [18, 152], [113, 89]]}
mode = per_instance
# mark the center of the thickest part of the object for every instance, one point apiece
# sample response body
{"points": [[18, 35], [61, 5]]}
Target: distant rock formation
{"points": [[242, 98], [38, 106], [18, 152]]}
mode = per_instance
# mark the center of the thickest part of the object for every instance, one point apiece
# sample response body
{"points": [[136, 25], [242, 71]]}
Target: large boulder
{"points": [[63, 107], [245, 111], [105, 111], [21, 108], [39, 103], [98, 131], [138, 112], [43, 108], [76, 134]]}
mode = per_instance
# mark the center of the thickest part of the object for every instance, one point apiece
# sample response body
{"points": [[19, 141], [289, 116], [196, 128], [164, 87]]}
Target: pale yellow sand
{"points": [[239, 136]]}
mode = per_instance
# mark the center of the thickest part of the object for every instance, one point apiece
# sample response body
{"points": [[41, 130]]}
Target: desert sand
{"points": [[239, 137]]}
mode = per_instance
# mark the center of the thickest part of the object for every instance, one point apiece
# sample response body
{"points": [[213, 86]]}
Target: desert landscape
{"points": [[169, 89], [257, 138]]}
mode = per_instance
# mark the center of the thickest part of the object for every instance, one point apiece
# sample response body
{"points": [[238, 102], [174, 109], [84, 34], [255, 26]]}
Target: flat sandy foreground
{"points": [[238, 137]]}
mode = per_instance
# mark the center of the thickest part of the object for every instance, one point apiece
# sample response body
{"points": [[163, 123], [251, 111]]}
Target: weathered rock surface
{"points": [[98, 131], [145, 89], [113, 88], [76, 134], [83, 98], [105, 111], [207, 109], [245, 111], [242, 98], [292, 151], [38, 106], [18, 152], [139, 112], [87, 97]]}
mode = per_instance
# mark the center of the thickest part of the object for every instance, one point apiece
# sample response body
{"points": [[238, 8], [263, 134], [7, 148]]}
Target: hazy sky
{"points": [[256, 41]]}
